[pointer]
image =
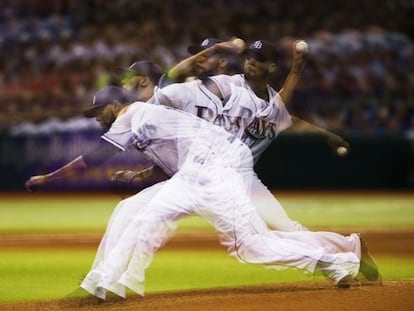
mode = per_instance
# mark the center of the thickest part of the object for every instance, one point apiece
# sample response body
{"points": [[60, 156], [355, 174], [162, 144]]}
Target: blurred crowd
{"points": [[55, 54]]}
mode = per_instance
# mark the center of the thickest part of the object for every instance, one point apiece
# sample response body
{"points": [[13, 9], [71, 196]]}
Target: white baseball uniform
{"points": [[258, 136], [229, 112], [238, 101], [212, 172], [261, 133]]}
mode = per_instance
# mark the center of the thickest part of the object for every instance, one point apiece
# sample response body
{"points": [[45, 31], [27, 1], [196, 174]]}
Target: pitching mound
{"points": [[289, 296]]}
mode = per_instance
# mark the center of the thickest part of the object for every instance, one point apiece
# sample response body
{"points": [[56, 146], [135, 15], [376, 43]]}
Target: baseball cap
{"points": [[143, 68], [263, 51], [105, 96], [206, 43]]}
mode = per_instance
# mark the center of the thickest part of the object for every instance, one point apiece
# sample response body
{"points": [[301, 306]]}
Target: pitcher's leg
{"points": [[249, 240], [270, 210], [154, 229], [282, 253], [146, 226], [122, 215], [331, 242]]}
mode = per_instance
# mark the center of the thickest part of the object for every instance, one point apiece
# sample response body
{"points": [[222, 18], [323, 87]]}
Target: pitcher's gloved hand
{"points": [[131, 176], [123, 176]]}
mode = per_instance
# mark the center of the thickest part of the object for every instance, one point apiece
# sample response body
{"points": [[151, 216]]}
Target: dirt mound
{"points": [[320, 295]]}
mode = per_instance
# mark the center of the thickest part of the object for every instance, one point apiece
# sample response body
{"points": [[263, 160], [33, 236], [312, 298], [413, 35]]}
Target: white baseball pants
{"points": [[219, 196]]}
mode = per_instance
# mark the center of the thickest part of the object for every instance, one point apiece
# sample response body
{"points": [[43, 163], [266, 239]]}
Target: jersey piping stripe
{"points": [[113, 143]]}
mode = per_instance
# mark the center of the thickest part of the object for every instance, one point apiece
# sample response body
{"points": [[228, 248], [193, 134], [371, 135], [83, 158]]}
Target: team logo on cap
{"points": [[258, 45], [205, 42]]}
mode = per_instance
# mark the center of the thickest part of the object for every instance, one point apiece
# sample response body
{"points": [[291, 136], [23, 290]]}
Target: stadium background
{"points": [[54, 55], [358, 81]]}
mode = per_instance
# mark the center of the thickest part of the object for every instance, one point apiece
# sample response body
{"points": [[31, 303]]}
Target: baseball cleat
{"points": [[342, 270], [346, 282], [368, 268]]}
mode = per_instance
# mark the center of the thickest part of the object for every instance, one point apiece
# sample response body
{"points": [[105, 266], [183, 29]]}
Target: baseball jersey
{"points": [[121, 136], [233, 110], [173, 138], [262, 131], [237, 110]]}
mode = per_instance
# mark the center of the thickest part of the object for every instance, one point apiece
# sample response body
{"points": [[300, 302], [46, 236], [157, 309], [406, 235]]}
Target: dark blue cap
{"points": [[263, 51], [144, 68], [206, 43], [106, 96]]}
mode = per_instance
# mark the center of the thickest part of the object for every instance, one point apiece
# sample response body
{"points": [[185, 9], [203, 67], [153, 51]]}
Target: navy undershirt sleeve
{"points": [[164, 81], [103, 152]]}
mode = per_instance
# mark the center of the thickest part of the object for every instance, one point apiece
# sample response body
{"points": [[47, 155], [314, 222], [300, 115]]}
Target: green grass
{"points": [[28, 275], [373, 211], [31, 213], [41, 274]]}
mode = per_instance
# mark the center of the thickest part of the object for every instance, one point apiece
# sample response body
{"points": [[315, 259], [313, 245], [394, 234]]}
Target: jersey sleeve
{"points": [[277, 113], [176, 95], [122, 141], [165, 81], [167, 96], [222, 79], [120, 134]]}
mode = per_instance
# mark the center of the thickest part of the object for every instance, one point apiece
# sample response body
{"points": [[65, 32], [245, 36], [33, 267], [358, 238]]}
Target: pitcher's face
{"points": [[105, 116], [207, 64], [256, 67]]}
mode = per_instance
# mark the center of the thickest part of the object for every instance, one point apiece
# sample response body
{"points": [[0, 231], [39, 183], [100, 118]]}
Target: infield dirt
{"points": [[302, 296]]}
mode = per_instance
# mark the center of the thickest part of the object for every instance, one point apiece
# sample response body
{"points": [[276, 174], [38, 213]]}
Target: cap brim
{"points": [[194, 49], [91, 112], [259, 56]]}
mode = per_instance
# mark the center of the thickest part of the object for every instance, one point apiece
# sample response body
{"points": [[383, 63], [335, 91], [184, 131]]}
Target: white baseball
{"points": [[341, 151], [239, 43], [302, 47]]}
